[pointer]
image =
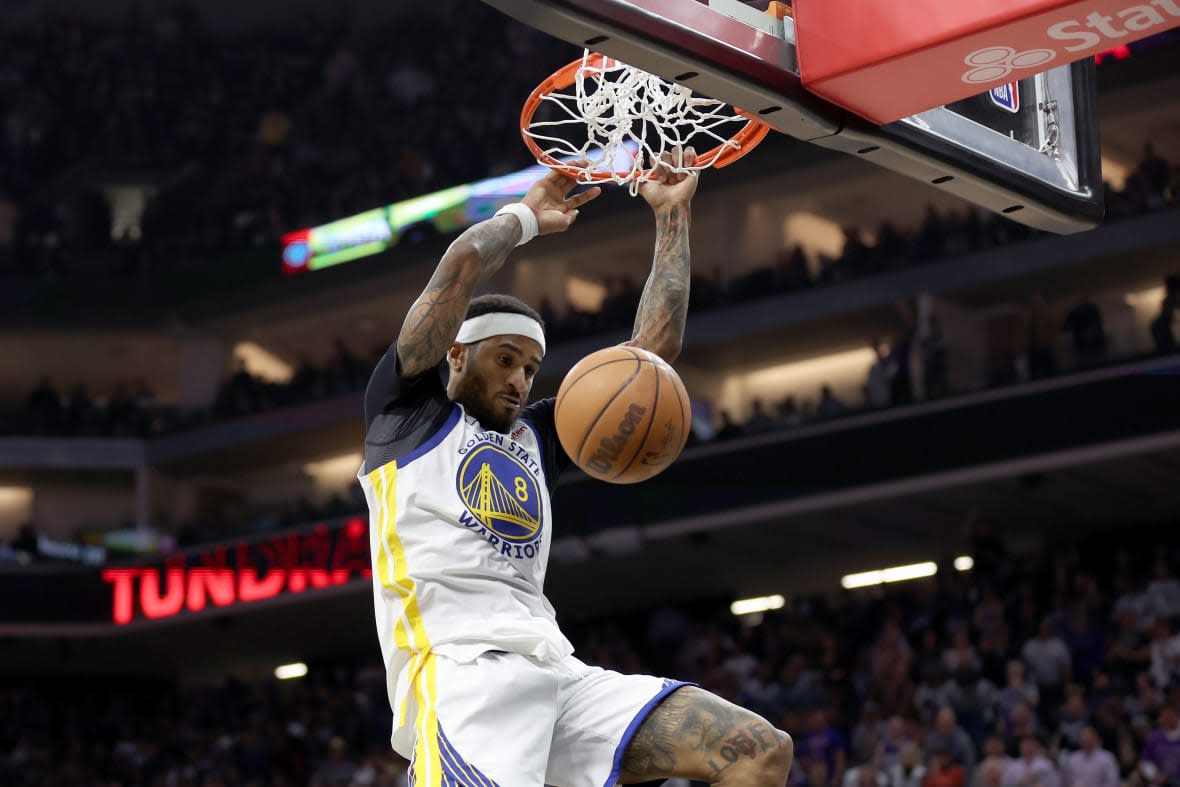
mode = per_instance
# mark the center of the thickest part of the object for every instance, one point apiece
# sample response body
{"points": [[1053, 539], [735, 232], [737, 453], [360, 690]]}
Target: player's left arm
{"points": [[659, 322]]}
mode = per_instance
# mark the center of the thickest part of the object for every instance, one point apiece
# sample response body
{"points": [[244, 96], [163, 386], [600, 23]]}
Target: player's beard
{"points": [[478, 400]]}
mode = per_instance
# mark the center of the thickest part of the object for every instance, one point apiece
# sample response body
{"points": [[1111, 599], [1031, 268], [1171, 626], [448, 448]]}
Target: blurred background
{"points": [[936, 453]]}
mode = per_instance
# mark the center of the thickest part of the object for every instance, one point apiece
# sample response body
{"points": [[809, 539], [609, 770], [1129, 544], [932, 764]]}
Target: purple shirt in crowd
{"points": [[1163, 750], [1089, 650], [822, 745]]}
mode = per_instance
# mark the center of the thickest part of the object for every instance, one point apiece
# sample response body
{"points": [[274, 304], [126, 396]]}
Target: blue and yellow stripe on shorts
{"points": [[456, 771]]}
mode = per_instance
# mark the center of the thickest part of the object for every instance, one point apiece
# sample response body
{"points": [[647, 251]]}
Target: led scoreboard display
{"points": [[443, 212]]}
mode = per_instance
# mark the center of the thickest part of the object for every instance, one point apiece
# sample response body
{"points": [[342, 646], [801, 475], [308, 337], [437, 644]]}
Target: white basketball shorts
{"points": [[506, 720]]}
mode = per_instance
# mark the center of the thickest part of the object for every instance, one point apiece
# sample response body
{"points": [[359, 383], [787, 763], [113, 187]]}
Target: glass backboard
{"points": [[1028, 150]]}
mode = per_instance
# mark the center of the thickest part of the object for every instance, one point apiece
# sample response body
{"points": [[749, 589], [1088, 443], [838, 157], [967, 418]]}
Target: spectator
{"points": [[976, 704], [931, 240], [991, 563], [758, 689], [865, 775], [935, 364], [894, 740], [829, 405], [891, 244], [1132, 597], [878, 385], [1042, 359], [1018, 725], [867, 734], [901, 383], [929, 655], [307, 383], [822, 743], [44, 405], [1086, 645], [815, 773], [1018, 692], [890, 659], [789, 413], [961, 655], [938, 691], [990, 771], [1154, 172], [1033, 768], [948, 736], [944, 771], [798, 687], [1164, 649], [1073, 719], [856, 257], [1144, 704], [1129, 652], [728, 428], [1162, 596], [1162, 327], [759, 420], [81, 415], [793, 272], [908, 770], [1160, 761], [1084, 324], [1092, 765], [1025, 611], [990, 774], [1050, 663]]}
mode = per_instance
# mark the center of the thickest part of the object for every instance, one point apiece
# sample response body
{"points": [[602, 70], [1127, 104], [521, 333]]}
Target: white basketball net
{"points": [[631, 118]]}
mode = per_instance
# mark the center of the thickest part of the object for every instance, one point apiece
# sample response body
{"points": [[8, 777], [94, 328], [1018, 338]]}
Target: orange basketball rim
{"points": [[722, 155]]}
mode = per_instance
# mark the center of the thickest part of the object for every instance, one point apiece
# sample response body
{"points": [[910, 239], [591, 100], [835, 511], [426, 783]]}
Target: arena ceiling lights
{"points": [[894, 574], [929, 568], [757, 605], [289, 671]]}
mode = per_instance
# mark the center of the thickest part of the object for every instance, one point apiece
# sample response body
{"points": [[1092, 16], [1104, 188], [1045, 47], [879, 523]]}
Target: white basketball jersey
{"points": [[460, 529]]}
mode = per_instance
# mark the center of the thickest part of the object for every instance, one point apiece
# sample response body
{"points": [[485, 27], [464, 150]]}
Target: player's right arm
{"points": [[433, 321]]}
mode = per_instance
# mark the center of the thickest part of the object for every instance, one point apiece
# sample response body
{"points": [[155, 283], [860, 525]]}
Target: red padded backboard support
{"points": [[885, 61]]}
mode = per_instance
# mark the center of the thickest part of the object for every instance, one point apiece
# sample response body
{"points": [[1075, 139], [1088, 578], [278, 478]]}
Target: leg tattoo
{"points": [[697, 735]]}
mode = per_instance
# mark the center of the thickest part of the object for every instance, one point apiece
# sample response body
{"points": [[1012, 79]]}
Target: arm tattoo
{"points": [[433, 321], [659, 322], [696, 735]]}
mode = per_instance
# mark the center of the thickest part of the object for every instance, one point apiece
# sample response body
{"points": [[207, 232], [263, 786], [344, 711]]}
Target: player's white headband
{"points": [[500, 324]]}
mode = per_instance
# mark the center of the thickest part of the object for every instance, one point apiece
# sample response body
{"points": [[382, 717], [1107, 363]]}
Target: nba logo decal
{"points": [[501, 493], [1006, 97]]}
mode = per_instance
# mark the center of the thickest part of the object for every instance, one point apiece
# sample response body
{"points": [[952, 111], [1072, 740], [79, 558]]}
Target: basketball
{"points": [[622, 414]]}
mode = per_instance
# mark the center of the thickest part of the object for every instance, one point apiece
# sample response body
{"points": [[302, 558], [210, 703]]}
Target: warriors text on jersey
{"points": [[460, 527]]}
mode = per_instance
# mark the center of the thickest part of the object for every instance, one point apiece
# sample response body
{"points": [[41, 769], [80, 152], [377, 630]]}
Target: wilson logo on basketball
{"points": [[610, 448], [1096, 30]]}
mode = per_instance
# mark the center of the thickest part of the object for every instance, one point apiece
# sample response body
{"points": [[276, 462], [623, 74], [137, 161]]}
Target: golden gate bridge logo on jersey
{"points": [[503, 496]]}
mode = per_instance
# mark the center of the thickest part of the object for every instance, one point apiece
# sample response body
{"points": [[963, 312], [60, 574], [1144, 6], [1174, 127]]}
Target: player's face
{"points": [[493, 379]]}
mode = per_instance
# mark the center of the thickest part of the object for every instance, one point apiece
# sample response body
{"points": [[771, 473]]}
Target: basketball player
{"points": [[458, 473]]}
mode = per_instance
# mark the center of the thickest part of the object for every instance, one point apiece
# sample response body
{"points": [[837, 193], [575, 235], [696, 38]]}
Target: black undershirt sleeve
{"points": [[539, 415], [402, 413]]}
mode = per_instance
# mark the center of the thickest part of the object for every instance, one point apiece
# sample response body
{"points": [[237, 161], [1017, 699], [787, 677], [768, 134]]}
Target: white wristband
{"points": [[528, 220]]}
